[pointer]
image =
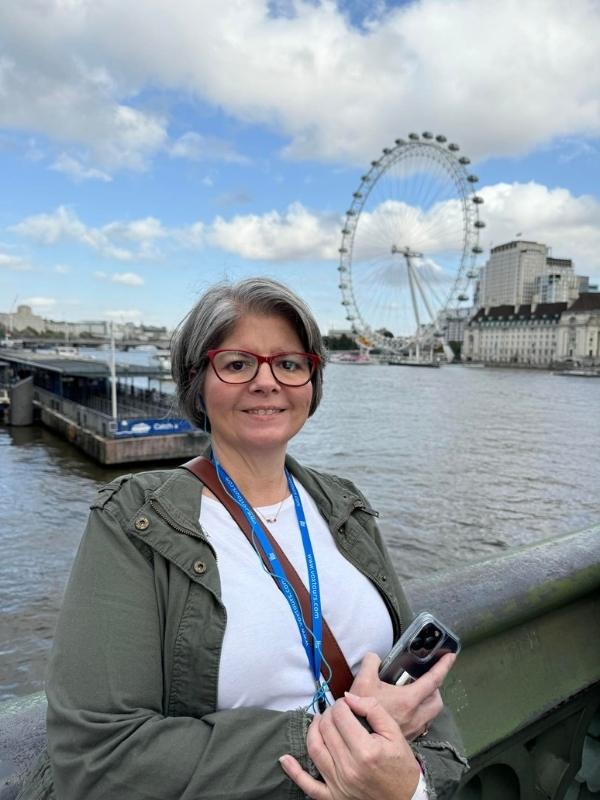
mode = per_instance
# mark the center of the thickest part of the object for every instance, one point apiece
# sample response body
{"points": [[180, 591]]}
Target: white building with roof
{"points": [[536, 334]]}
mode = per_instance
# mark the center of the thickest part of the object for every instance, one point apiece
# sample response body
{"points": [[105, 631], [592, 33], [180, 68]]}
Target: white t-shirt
{"points": [[263, 662]]}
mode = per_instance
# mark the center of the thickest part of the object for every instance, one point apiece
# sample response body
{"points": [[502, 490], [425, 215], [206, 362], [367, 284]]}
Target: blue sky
{"points": [[148, 148]]}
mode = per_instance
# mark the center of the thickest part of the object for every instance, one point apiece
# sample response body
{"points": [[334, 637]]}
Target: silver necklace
{"points": [[273, 519]]}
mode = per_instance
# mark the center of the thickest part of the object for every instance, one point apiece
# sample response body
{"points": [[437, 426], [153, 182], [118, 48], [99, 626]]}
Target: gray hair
{"points": [[211, 320]]}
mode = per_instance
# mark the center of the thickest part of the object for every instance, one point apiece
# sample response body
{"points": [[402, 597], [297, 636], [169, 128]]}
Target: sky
{"points": [[150, 148]]}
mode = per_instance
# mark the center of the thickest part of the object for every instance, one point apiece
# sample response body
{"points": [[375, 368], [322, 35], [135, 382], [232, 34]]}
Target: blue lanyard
{"points": [[312, 649]]}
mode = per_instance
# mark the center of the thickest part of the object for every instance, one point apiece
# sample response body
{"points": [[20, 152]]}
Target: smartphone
{"points": [[423, 643]]}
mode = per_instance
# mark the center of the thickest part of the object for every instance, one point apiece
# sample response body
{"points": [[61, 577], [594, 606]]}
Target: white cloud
{"points": [[127, 279], [64, 225], [74, 169], [14, 263], [501, 78], [196, 147], [62, 269], [296, 235], [40, 303], [569, 225]]}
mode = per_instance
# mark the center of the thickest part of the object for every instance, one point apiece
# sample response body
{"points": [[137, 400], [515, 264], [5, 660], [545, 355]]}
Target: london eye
{"points": [[409, 247]]}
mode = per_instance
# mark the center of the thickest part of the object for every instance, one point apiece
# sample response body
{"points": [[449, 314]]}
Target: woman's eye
{"points": [[237, 366]]}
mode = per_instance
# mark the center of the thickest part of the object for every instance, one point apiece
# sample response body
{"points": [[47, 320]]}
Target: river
{"points": [[461, 463]]}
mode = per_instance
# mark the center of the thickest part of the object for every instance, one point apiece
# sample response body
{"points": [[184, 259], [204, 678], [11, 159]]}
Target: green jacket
{"points": [[132, 682]]}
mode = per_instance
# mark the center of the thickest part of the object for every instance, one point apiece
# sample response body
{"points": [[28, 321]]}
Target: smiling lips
{"points": [[263, 412]]}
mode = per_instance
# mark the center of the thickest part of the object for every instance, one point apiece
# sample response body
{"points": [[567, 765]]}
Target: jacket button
{"points": [[142, 523], [384, 578], [199, 567]]}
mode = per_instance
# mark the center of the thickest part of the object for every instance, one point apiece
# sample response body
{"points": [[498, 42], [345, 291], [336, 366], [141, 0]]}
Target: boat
{"points": [[350, 358], [399, 362], [579, 373]]}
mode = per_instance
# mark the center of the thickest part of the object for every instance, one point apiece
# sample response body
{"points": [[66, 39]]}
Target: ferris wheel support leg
{"points": [[411, 282], [448, 351], [419, 286]]}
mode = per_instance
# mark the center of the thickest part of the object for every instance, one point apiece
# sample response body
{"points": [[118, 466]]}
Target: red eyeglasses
{"points": [[240, 366]]}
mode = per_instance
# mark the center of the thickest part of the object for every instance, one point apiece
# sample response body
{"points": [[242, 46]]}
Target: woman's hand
{"points": [[413, 706], [354, 764]]}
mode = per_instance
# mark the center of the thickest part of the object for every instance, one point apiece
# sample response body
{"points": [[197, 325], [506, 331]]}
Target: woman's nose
{"points": [[264, 378]]}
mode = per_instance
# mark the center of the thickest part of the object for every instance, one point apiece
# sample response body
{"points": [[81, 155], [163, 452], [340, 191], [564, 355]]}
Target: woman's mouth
{"points": [[263, 412]]}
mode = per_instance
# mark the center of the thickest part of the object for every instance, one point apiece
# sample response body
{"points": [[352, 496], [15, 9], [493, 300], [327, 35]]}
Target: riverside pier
{"points": [[112, 418]]}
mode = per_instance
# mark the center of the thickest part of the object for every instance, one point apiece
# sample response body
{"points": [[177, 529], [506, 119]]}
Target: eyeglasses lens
{"points": [[291, 369]]}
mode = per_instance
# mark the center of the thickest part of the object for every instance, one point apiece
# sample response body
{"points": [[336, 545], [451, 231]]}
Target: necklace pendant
{"points": [[270, 520]]}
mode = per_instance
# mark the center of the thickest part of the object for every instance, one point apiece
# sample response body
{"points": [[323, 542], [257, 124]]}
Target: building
{"points": [[453, 322], [519, 273], [579, 330], [525, 334], [22, 319], [509, 275], [558, 287], [536, 334]]}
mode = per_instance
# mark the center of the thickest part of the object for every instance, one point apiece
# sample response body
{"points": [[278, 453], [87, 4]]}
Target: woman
{"points": [[178, 670]]}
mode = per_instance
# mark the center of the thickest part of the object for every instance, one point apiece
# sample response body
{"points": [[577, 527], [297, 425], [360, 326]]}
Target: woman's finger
{"points": [[332, 738], [378, 718], [429, 683], [317, 750], [309, 785], [353, 734]]}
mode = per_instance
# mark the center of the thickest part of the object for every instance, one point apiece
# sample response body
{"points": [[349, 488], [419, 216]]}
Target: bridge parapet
{"points": [[525, 690]]}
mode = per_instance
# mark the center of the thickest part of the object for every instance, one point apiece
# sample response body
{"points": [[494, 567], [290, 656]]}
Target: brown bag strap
{"points": [[341, 678]]}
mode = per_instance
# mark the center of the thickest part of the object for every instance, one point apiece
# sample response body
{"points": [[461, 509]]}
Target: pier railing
{"points": [[95, 413], [525, 690]]}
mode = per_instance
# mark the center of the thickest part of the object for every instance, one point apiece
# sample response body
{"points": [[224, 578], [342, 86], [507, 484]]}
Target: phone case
{"points": [[423, 643]]}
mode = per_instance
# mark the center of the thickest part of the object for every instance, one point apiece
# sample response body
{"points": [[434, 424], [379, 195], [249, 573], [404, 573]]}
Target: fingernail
{"points": [[351, 696]]}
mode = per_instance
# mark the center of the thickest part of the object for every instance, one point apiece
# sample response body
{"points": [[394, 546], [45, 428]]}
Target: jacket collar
{"points": [[180, 496]]}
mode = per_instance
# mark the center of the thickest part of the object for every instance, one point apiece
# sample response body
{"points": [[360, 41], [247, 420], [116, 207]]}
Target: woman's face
{"points": [[262, 414]]}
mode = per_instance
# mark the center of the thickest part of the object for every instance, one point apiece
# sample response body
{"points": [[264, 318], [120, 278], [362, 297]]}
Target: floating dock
{"points": [[72, 396]]}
